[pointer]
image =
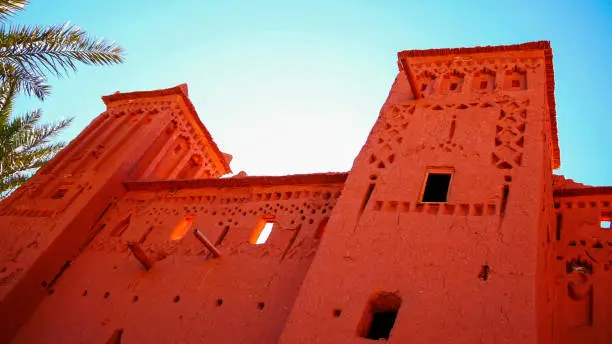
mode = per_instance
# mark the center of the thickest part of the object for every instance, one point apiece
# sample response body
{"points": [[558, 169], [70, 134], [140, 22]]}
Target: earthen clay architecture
{"points": [[450, 227]]}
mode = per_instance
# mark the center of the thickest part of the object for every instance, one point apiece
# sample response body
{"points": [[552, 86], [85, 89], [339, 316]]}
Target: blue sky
{"points": [[295, 86]]}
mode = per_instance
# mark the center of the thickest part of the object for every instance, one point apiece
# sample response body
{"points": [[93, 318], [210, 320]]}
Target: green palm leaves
{"points": [[27, 55]]}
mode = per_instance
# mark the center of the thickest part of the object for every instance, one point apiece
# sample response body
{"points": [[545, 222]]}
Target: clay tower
{"points": [[52, 218], [446, 213]]}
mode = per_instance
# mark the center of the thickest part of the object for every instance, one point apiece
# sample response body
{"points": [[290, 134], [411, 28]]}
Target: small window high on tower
{"points": [[605, 222], [436, 186], [181, 228], [262, 230]]}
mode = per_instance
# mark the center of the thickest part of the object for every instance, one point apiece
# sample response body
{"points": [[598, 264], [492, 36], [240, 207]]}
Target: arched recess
{"points": [[579, 310]]}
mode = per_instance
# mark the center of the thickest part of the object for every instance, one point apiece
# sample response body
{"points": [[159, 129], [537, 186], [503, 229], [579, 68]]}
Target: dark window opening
{"points": [[382, 324], [483, 84], [558, 233], [379, 316], [516, 83], [436, 187], [453, 86], [115, 337], [484, 273], [59, 193]]}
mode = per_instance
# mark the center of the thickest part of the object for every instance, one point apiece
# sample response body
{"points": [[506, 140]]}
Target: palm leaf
{"points": [[25, 145], [8, 92], [54, 49], [27, 54], [27, 82], [9, 7]]}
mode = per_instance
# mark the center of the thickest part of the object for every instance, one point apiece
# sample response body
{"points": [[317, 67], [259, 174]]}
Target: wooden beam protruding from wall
{"points": [[416, 91]]}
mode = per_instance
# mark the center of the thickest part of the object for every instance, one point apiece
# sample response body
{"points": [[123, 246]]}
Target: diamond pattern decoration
{"points": [[509, 137]]}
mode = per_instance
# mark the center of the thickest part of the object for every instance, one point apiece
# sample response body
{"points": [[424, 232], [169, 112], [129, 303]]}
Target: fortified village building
{"points": [[449, 228]]}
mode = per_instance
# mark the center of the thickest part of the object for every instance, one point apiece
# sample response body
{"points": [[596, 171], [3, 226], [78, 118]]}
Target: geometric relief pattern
{"points": [[509, 137], [387, 134], [184, 126]]}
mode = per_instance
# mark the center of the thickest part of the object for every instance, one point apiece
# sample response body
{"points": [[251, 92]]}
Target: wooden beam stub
{"points": [[204, 240], [142, 257]]}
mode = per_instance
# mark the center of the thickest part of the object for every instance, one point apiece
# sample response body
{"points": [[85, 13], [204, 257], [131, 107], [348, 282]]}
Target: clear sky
{"points": [[295, 86]]}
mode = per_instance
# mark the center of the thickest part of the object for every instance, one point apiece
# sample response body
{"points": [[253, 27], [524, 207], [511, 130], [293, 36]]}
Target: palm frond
{"points": [[27, 54], [25, 144], [12, 182], [9, 7], [54, 49], [8, 93], [27, 82], [37, 135]]}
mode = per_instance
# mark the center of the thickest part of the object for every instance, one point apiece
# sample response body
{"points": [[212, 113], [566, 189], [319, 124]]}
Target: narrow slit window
{"points": [[436, 187], [262, 231], [367, 196], [559, 226], [182, 227]]}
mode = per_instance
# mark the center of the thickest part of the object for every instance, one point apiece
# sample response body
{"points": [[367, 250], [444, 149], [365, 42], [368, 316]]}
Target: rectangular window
{"points": [[379, 316], [262, 231], [436, 186], [605, 222], [59, 193]]}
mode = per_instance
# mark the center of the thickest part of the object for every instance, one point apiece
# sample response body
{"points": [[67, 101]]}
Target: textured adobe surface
{"points": [[101, 245]]}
